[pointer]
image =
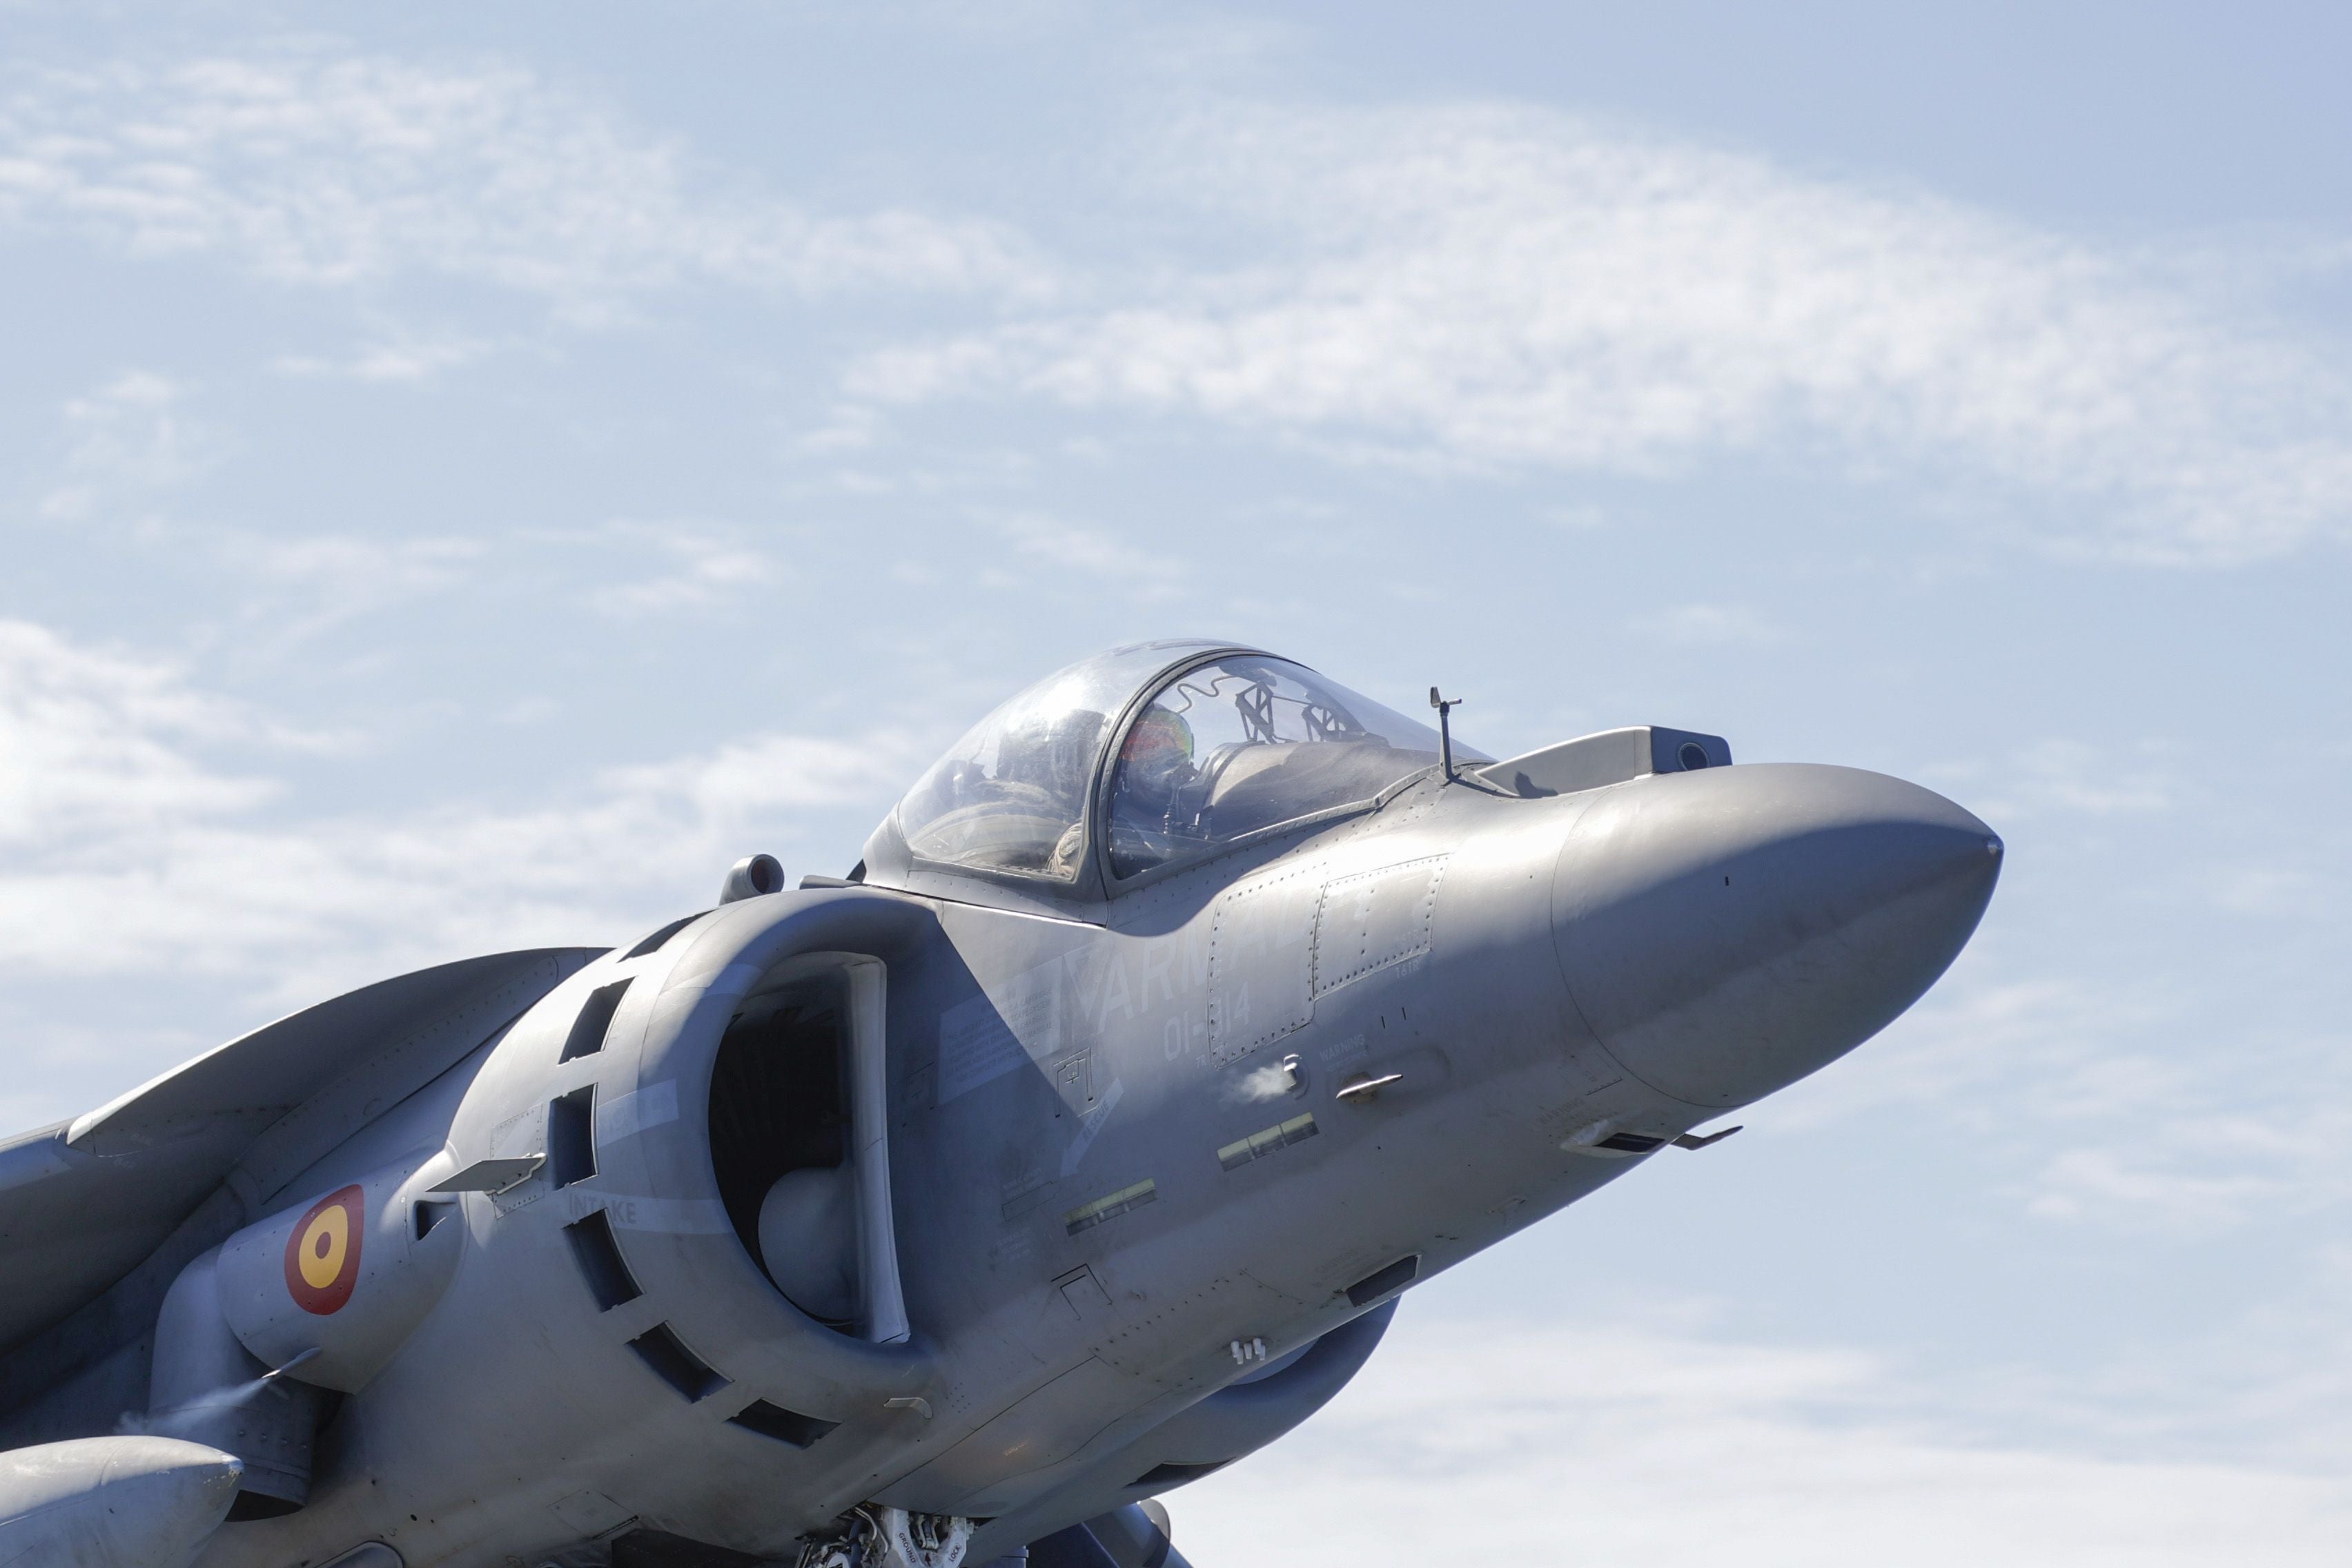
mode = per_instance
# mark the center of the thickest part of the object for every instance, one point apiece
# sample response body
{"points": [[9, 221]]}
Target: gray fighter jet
{"points": [[1079, 1142]]}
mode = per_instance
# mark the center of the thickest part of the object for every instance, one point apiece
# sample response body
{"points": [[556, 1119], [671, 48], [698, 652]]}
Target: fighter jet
{"points": [[1081, 1140]]}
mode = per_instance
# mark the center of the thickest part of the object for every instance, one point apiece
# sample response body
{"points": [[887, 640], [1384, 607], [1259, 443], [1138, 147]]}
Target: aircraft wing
{"points": [[82, 1203]]}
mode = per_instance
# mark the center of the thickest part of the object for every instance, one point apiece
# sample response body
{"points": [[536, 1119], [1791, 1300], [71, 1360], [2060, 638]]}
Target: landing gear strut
{"points": [[892, 1538]]}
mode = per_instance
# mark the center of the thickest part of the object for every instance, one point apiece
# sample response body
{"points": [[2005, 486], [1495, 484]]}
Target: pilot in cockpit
{"points": [[1156, 763], [1231, 743], [1155, 766]]}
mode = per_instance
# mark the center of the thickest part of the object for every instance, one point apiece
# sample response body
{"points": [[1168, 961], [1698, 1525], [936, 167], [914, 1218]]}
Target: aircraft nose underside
{"points": [[1728, 932]]}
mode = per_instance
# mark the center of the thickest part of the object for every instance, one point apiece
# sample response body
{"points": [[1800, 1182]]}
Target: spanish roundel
{"points": [[322, 1256]]}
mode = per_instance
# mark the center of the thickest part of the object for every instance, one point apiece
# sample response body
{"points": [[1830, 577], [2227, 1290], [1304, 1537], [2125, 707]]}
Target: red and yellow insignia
{"points": [[322, 1256]]}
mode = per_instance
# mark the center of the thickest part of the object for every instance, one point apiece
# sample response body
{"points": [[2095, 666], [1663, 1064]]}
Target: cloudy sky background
{"points": [[467, 476]]}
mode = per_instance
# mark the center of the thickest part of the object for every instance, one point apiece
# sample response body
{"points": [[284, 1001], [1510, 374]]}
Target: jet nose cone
{"points": [[1727, 931]]}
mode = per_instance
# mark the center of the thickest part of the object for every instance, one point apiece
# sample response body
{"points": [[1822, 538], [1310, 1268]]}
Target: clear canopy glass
{"points": [[1245, 743], [1011, 795]]}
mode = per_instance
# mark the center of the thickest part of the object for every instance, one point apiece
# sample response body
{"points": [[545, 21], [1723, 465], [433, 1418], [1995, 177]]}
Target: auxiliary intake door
{"points": [[800, 1140]]}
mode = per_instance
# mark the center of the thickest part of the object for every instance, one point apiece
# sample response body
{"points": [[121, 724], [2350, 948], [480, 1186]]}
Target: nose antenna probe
{"points": [[1445, 707]]}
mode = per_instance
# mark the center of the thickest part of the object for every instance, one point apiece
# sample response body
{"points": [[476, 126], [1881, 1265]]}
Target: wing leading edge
{"points": [[81, 1204]]}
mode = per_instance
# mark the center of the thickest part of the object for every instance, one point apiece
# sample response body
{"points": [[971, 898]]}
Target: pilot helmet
{"points": [[1160, 741]]}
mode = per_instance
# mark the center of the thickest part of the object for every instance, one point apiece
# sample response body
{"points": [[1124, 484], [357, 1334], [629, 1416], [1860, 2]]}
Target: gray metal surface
{"points": [[111, 1502], [81, 1204], [1726, 933], [1098, 1185], [1612, 756]]}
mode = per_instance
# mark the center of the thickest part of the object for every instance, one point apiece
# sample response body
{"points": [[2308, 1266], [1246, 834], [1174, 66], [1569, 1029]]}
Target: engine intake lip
{"points": [[682, 1246]]}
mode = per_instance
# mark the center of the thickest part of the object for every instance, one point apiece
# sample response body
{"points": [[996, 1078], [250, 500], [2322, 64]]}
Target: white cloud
{"points": [[2204, 1186], [744, 780], [397, 357], [329, 169], [296, 588], [2105, 1107], [1494, 286], [1495, 1440], [704, 569], [344, 564], [92, 744], [1096, 552], [2061, 776], [123, 848], [127, 438], [2058, 776]]}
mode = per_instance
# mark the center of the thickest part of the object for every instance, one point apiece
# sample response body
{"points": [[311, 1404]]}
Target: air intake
{"points": [[675, 1365], [1394, 1277], [599, 1255], [593, 1021], [784, 1426]]}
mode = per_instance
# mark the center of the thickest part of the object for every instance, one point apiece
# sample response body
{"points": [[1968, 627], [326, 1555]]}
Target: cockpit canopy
{"points": [[1154, 754]]}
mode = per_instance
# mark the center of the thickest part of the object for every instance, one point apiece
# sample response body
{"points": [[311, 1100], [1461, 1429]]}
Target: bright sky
{"points": [[468, 475]]}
